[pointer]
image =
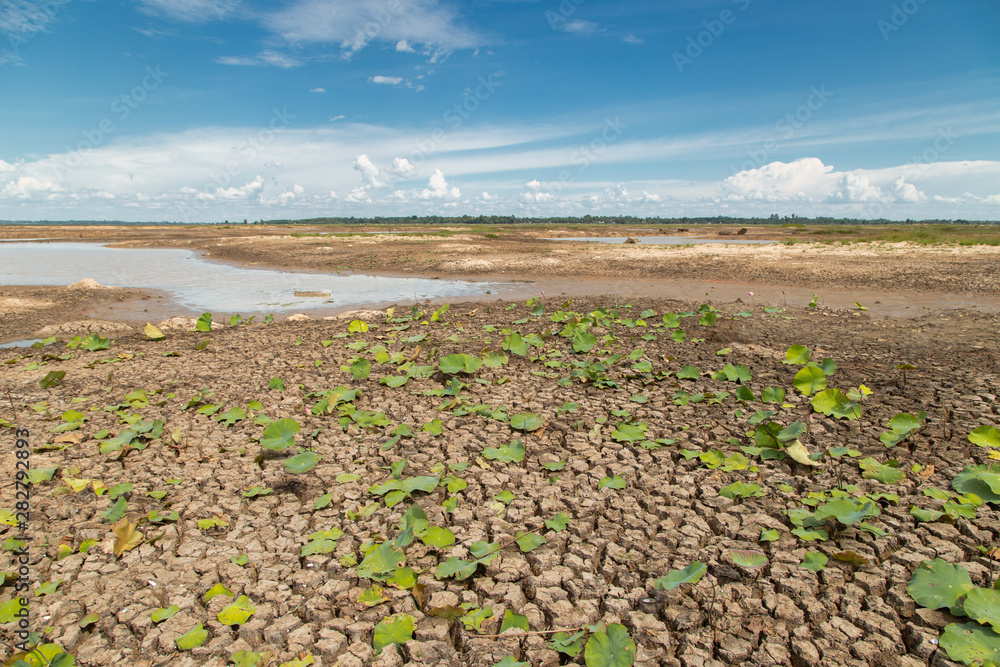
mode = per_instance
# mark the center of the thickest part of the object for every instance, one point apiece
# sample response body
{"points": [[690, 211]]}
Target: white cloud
{"points": [[580, 27], [404, 46], [803, 179], [632, 39], [25, 187], [191, 11], [353, 24], [20, 21], [340, 117], [247, 190], [386, 80], [401, 167], [369, 172], [855, 188], [358, 196], [200, 175], [317, 90], [438, 188], [536, 194], [907, 192], [266, 58]]}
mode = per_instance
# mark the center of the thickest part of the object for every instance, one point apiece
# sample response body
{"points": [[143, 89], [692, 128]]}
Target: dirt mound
{"points": [[88, 283]]}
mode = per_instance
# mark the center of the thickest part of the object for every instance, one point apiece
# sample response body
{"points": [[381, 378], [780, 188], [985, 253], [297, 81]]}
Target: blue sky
{"points": [[204, 110]]}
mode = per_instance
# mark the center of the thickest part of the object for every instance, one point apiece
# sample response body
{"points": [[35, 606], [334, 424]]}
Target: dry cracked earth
{"points": [[601, 565]]}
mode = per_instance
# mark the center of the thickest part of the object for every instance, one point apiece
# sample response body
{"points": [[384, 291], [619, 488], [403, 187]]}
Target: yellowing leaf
{"points": [[152, 332], [800, 454], [76, 485], [126, 536]]}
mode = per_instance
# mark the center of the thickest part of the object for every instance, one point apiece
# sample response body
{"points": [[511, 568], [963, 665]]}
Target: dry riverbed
{"points": [[622, 475]]}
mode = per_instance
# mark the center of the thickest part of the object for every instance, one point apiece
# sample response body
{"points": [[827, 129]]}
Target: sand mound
{"points": [[87, 283]]}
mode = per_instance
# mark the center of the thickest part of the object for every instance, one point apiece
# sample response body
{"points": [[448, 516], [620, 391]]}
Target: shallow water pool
{"points": [[199, 284]]}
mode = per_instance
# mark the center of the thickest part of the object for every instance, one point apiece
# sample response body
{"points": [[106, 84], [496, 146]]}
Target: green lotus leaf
{"points": [[237, 612], [192, 639], [395, 629], [971, 644], [610, 648], [280, 435], [938, 583], [691, 574]]}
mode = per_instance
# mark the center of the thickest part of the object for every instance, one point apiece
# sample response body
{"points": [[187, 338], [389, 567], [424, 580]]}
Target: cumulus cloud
{"points": [[438, 188], [907, 192], [401, 167], [619, 196], [25, 187], [632, 39], [358, 196], [369, 172], [386, 80], [803, 179], [247, 190], [535, 194], [317, 90], [404, 46]]}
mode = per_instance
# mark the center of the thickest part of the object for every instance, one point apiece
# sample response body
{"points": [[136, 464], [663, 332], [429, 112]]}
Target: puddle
{"points": [[658, 240], [201, 285], [21, 343], [23, 240]]}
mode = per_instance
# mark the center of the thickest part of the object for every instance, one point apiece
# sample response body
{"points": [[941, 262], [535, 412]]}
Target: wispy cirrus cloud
{"points": [[266, 57], [354, 24], [191, 11], [21, 20]]}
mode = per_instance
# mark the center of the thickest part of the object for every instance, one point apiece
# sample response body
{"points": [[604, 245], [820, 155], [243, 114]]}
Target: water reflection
{"points": [[203, 285]]}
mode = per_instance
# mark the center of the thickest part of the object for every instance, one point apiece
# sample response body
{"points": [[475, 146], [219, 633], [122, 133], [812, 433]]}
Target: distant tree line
{"points": [[608, 220], [395, 221]]}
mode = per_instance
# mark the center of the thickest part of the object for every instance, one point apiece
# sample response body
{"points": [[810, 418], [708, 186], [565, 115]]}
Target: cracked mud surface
{"points": [[603, 566]]}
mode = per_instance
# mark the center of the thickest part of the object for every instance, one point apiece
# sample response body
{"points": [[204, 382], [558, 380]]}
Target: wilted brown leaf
{"points": [[126, 536]]}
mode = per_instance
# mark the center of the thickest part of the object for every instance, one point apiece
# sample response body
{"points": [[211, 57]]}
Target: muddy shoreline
{"points": [[891, 280], [619, 446]]}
